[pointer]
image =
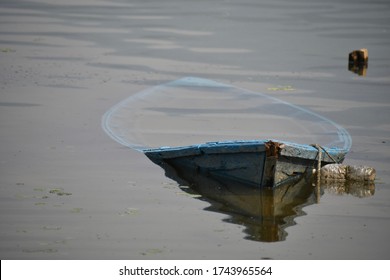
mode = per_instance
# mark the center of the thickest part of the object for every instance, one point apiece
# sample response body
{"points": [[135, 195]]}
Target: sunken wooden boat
{"points": [[193, 110], [259, 163]]}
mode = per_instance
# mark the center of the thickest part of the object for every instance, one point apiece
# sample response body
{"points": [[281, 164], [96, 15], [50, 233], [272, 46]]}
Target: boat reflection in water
{"points": [[358, 189], [264, 212]]}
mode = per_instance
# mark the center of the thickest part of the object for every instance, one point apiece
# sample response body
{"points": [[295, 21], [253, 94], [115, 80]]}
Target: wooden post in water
{"points": [[358, 61]]}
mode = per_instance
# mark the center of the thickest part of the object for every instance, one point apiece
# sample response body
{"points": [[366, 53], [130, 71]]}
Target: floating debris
{"points": [[348, 179], [76, 210], [358, 62], [281, 88], [337, 172], [52, 227], [153, 251], [129, 211], [48, 250], [59, 192], [40, 203], [7, 50]]}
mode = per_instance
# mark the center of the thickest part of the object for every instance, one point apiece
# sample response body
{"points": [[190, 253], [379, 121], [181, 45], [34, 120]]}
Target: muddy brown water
{"points": [[68, 191]]}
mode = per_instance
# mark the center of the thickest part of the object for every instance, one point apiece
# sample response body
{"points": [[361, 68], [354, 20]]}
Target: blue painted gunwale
{"points": [[223, 147]]}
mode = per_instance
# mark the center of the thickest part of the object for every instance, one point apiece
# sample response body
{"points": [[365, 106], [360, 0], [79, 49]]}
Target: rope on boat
{"points": [[320, 149], [336, 173]]}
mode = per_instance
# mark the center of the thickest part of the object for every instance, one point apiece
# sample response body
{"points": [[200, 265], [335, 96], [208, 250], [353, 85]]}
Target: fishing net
{"points": [[191, 111]]}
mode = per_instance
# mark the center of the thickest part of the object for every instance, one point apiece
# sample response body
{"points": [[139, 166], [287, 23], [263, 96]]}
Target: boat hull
{"points": [[259, 163]]}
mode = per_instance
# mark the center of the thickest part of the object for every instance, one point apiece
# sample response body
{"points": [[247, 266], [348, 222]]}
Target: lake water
{"points": [[68, 191]]}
